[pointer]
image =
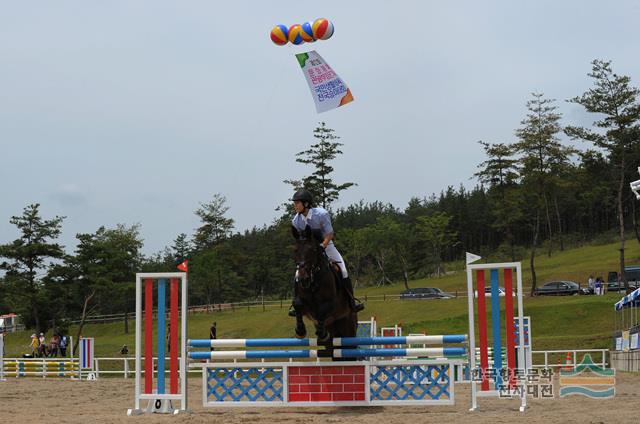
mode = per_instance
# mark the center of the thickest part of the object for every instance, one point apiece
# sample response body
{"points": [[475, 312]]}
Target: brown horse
{"points": [[318, 293]]}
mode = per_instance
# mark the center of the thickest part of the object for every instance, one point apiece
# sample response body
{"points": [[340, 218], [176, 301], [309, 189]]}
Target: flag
{"points": [[184, 266], [327, 89], [471, 258]]}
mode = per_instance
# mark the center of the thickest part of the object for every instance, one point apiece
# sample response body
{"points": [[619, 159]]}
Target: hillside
{"points": [[557, 322]]}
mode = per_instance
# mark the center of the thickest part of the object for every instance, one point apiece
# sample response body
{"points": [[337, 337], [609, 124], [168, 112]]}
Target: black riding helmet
{"points": [[304, 196]]}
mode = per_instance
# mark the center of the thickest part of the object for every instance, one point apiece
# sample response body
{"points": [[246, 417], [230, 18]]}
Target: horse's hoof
{"points": [[301, 336], [324, 339]]}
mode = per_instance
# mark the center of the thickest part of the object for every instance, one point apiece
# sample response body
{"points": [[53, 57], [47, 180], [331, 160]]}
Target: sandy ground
{"points": [[30, 400]]}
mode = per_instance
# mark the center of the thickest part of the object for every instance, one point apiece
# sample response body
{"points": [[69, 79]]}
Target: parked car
{"points": [[560, 288], [425, 293], [632, 273], [501, 292]]}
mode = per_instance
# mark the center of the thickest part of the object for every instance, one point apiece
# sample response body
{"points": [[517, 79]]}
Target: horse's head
{"points": [[308, 254]]}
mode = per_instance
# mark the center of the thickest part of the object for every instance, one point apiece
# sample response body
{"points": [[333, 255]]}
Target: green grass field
{"points": [[571, 322]]}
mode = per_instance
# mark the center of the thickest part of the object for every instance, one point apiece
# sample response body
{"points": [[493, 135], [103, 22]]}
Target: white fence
{"points": [[124, 366], [599, 357]]}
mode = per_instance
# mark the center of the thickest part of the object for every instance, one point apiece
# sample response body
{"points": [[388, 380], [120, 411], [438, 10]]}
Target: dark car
{"points": [[632, 274], [560, 288], [425, 293]]}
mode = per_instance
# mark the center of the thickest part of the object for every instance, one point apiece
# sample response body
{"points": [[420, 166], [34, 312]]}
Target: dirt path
{"points": [[106, 401]]}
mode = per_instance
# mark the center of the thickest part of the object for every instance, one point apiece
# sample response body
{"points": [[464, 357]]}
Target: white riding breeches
{"points": [[335, 256]]}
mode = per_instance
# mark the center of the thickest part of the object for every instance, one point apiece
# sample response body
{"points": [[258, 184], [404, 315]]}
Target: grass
{"points": [[574, 322]]}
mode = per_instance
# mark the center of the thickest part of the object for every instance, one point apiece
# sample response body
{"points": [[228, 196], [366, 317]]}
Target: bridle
{"points": [[312, 270]]}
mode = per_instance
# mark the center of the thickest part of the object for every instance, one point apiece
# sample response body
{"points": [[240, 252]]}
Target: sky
{"points": [[135, 112]]}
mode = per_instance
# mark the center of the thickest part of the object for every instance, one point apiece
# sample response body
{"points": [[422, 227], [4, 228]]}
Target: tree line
{"points": [[552, 186]]}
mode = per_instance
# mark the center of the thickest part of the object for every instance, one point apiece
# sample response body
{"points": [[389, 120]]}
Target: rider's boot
{"points": [[355, 304], [292, 308]]}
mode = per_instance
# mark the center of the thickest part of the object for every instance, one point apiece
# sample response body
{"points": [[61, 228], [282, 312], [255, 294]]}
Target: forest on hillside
{"points": [[554, 185]]}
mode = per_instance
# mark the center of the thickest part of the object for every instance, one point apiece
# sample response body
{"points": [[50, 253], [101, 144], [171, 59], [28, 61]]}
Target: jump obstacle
{"points": [[368, 381], [50, 367], [492, 379], [159, 399]]}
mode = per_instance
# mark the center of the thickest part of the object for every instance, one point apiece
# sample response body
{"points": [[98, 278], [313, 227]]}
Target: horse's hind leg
{"points": [[346, 327], [322, 321]]}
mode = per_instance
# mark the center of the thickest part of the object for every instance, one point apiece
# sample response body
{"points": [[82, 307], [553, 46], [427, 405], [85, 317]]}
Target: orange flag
{"points": [[184, 266]]}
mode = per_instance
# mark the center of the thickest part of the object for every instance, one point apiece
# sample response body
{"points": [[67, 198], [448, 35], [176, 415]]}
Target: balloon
{"points": [[295, 34], [322, 29], [279, 35], [307, 32]]}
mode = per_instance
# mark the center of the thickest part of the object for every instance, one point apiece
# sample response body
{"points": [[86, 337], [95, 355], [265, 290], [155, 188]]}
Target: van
{"points": [[631, 272]]}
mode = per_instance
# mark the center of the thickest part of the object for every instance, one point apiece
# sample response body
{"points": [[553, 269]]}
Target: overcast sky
{"points": [[136, 111]]}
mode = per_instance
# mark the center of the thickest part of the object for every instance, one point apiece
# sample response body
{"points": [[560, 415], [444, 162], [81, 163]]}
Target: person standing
{"points": [[591, 285], [55, 345], [598, 287], [213, 333], [64, 341], [35, 346], [42, 346]]}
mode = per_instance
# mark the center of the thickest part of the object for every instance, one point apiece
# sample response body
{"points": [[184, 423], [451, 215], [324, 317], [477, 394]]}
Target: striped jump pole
{"points": [[498, 324], [159, 398], [253, 354], [286, 342], [433, 351], [400, 340]]}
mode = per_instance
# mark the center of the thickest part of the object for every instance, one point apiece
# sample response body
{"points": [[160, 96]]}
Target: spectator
{"points": [[124, 350], [42, 346], [591, 284], [64, 340], [54, 345], [35, 346], [213, 333], [602, 285], [598, 287]]}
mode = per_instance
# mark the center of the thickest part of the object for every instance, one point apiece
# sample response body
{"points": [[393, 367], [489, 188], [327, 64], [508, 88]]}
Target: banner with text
{"points": [[327, 89]]}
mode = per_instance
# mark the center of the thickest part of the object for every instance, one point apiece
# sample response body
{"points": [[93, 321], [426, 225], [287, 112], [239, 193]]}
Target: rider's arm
{"points": [[327, 239], [326, 227]]}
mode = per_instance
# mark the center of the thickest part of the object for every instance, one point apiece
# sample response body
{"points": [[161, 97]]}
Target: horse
{"points": [[318, 292]]}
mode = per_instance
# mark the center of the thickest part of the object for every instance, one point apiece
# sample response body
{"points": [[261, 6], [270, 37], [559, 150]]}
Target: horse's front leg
{"points": [[301, 330]]}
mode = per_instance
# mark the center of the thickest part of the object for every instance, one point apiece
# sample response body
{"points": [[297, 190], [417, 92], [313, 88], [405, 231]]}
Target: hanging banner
{"points": [[327, 89]]}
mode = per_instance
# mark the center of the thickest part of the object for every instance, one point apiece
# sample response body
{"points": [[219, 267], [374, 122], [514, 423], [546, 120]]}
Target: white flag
{"points": [[471, 258]]}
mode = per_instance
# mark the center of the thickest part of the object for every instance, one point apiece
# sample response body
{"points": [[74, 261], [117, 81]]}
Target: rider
{"points": [[318, 219]]}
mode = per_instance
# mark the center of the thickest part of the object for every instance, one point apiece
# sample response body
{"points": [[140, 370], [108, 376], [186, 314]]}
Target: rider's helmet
{"points": [[304, 196]]}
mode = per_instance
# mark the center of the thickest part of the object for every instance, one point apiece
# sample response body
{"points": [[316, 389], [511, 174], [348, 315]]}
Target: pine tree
{"points": [[541, 154], [616, 101], [181, 248], [27, 256], [215, 226], [500, 173], [320, 183]]}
